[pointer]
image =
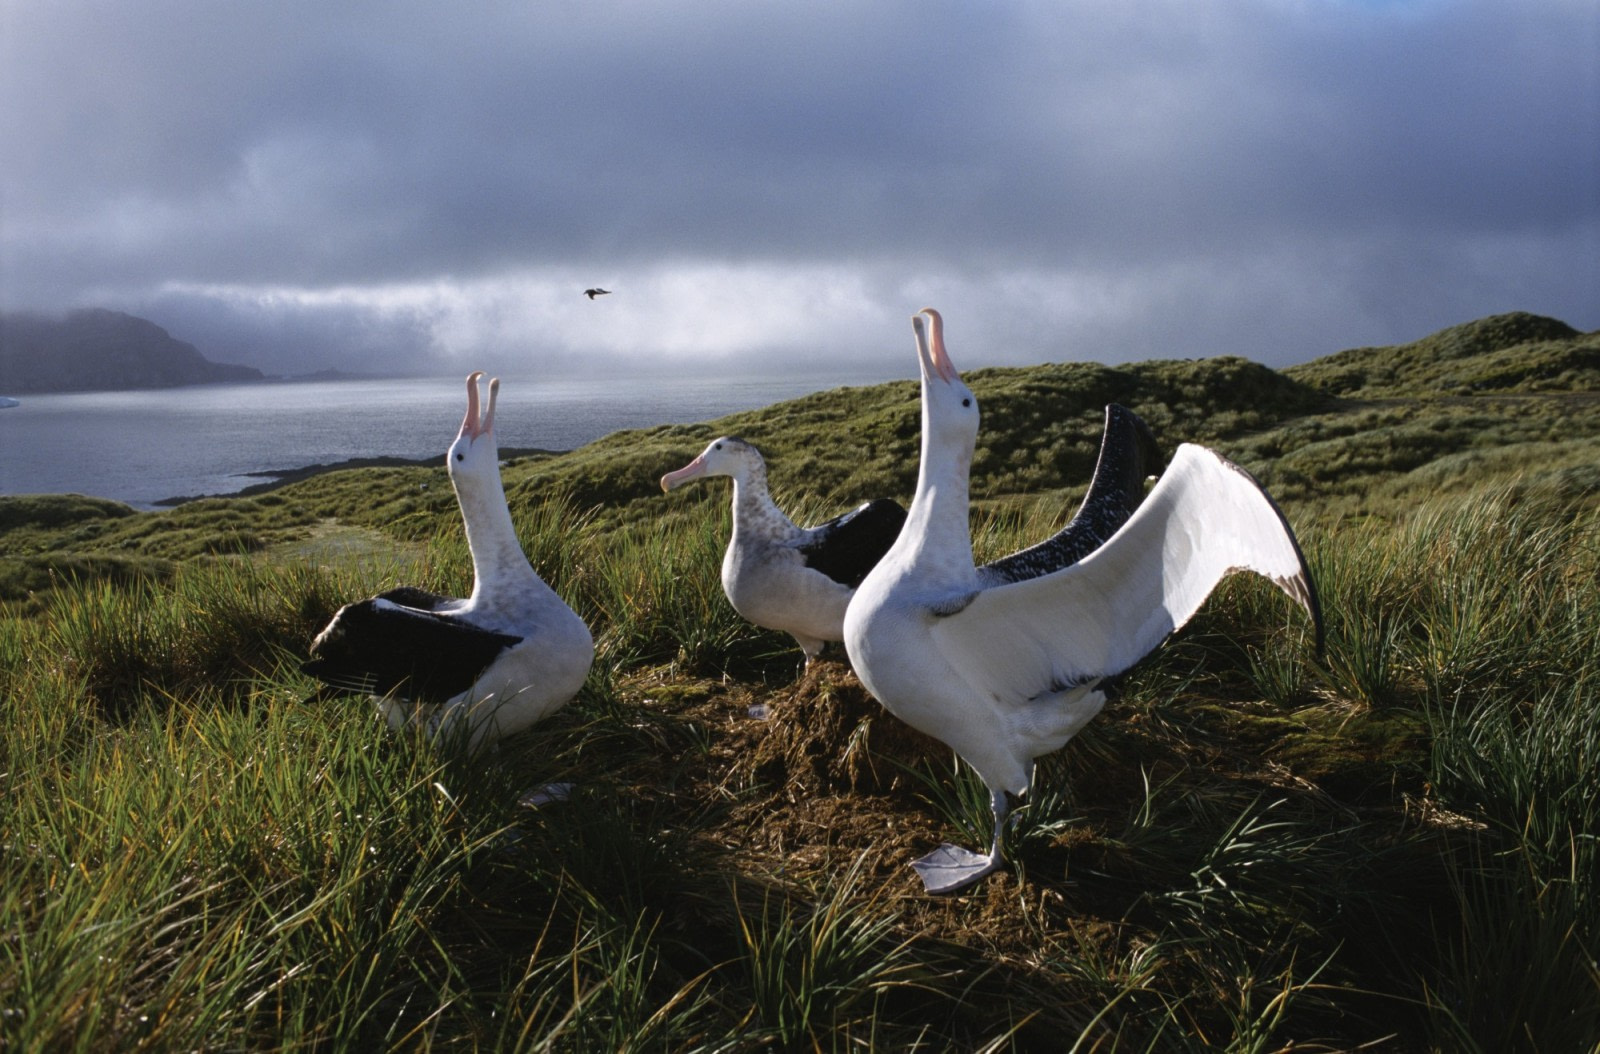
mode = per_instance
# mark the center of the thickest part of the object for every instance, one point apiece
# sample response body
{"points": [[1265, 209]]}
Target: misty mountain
{"points": [[96, 349]]}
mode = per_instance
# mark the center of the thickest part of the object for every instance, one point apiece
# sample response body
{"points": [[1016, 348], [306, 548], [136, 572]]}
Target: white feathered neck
{"points": [[937, 537], [499, 565]]}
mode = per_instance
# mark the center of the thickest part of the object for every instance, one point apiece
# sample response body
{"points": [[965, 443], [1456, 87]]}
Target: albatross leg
{"points": [[950, 867], [811, 647]]}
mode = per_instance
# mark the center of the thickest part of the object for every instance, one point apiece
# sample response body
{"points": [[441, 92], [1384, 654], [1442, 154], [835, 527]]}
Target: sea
{"points": [[146, 448]]}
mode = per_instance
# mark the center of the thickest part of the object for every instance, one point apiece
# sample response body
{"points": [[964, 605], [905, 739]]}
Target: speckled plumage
{"points": [[781, 576]]}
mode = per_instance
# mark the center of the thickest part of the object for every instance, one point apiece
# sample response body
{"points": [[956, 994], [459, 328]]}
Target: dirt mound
{"points": [[826, 734]]}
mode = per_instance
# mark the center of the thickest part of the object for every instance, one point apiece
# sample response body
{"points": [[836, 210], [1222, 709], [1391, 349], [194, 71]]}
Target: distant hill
{"points": [[1513, 398], [97, 349], [1333, 438], [1516, 352]]}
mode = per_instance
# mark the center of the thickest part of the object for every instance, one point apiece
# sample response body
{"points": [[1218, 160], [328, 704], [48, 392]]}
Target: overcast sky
{"points": [[777, 185]]}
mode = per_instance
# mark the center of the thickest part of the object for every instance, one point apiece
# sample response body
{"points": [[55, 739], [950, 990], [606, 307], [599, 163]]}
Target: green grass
{"points": [[1393, 844], [1514, 352]]}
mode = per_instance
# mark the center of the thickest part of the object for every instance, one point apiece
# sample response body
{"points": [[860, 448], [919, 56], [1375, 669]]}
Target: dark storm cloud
{"points": [[397, 183]]}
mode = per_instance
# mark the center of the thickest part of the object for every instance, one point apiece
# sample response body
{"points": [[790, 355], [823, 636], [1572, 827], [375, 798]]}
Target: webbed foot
{"points": [[950, 867]]}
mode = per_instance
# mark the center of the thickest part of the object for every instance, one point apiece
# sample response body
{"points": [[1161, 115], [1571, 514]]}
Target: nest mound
{"points": [[826, 734]]}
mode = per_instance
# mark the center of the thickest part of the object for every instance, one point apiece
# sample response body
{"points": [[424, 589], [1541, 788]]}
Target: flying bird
{"points": [[1007, 662], [780, 576], [592, 293], [492, 663]]}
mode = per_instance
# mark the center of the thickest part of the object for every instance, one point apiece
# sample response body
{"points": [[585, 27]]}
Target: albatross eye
{"points": [[966, 402], [460, 456]]}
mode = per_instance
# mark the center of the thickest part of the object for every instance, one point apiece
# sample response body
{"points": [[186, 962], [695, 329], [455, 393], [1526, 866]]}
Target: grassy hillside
{"points": [[1359, 432], [1388, 846], [1518, 352]]}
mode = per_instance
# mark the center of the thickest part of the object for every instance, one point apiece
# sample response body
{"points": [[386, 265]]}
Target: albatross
{"points": [[492, 663], [777, 575], [1007, 662]]}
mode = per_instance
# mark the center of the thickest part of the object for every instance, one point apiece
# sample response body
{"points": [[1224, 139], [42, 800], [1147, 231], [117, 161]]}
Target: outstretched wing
{"points": [[1129, 454], [847, 547], [381, 647], [1204, 520]]}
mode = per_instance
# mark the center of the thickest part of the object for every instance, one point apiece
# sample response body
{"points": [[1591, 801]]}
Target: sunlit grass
{"points": [[197, 856], [1253, 847]]}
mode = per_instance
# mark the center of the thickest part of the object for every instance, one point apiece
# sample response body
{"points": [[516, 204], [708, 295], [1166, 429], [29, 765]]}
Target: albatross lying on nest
{"points": [[780, 576], [1007, 662], [492, 663]]}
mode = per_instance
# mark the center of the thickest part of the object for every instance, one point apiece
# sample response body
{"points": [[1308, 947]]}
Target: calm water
{"points": [[141, 447]]}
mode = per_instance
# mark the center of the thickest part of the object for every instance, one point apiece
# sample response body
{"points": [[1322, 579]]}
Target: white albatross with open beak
{"points": [[487, 665], [1006, 662]]}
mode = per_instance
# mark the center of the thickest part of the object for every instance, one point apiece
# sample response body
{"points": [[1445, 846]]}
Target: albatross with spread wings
{"points": [[1007, 662]]}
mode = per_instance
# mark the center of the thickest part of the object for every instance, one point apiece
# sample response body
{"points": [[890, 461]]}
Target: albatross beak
{"points": [[692, 470], [469, 424], [472, 426], [488, 417], [935, 361]]}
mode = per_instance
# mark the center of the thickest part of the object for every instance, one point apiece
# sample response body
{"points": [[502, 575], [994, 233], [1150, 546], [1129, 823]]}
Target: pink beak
{"points": [[471, 426], [935, 361], [692, 470]]}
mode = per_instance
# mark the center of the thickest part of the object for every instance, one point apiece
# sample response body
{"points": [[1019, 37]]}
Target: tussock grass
{"points": [[1512, 352], [1392, 844], [191, 879], [196, 855], [212, 629], [819, 964]]}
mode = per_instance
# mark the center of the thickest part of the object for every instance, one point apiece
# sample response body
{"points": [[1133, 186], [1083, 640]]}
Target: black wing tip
{"points": [[1150, 457], [1313, 606], [1302, 589], [403, 651], [884, 510]]}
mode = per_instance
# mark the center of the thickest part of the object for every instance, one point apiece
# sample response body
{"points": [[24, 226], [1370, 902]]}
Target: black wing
{"points": [[1128, 454], [381, 649], [413, 597], [847, 547]]}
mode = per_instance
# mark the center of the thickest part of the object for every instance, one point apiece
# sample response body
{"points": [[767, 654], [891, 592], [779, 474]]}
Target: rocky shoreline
{"points": [[278, 477]]}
